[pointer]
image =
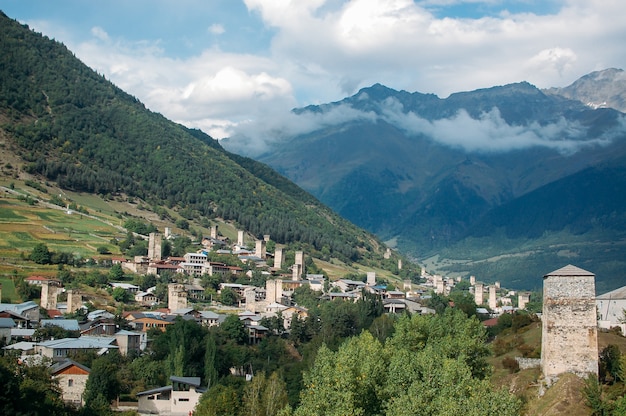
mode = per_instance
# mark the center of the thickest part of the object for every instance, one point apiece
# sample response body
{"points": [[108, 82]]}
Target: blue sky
{"points": [[228, 66]]}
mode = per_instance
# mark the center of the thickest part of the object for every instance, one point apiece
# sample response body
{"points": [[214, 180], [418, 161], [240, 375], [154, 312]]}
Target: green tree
{"points": [[102, 381], [346, 382], [274, 397], [121, 295], [116, 273], [210, 372], [426, 383], [234, 329], [610, 363], [252, 396], [219, 400], [41, 254], [452, 333], [228, 297]]}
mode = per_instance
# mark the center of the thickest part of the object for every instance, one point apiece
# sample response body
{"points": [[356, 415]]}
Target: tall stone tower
{"points": [[478, 294], [298, 267], [176, 296], [493, 300], [49, 293], [154, 246], [74, 301], [371, 278], [274, 291], [260, 249], [214, 231], [278, 258], [240, 238], [569, 337], [522, 300]]}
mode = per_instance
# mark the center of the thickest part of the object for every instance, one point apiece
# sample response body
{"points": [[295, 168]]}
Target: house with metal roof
{"points": [[611, 306], [28, 309], [61, 348], [178, 399], [6, 325]]}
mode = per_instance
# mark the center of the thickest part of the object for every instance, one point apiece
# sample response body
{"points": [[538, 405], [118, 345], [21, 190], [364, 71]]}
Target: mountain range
{"points": [[504, 182]]}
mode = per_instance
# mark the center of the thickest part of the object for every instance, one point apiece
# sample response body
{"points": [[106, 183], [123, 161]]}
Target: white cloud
{"points": [[100, 33], [217, 29], [323, 50]]}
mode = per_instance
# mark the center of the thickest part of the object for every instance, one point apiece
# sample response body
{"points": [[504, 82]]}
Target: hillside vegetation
{"points": [[63, 124]]}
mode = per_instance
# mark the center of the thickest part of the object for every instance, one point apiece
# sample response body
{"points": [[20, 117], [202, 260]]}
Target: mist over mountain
{"points": [[470, 178]]}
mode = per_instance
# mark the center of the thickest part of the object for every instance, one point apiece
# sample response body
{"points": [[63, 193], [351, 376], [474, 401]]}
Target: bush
{"points": [[510, 364]]}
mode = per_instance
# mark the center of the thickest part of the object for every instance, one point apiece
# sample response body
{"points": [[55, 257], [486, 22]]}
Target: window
{"points": [[182, 399], [70, 382]]}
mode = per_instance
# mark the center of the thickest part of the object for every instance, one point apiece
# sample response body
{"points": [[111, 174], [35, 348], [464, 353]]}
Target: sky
{"points": [[229, 67]]}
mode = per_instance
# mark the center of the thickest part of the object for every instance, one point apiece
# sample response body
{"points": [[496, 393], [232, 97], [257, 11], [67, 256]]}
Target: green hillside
{"points": [[63, 124]]}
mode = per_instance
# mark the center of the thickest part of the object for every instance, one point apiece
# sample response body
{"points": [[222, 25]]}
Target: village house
{"points": [[145, 323], [209, 318], [21, 322], [126, 286], [6, 325], [611, 306], [72, 378], [129, 341], [146, 298], [178, 399], [61, 348], [29, 310]]}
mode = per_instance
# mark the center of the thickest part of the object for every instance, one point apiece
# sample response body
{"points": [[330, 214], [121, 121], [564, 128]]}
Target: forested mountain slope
{"points": [[71, 126]]}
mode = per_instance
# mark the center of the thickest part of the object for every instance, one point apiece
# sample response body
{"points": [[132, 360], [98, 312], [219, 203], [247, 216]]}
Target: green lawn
{"points": [[8, 290]]}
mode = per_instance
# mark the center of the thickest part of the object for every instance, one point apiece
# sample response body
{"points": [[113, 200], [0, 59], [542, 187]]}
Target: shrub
{"points": [[510, 364]]}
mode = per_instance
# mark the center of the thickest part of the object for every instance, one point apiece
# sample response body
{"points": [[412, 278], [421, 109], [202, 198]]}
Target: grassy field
{"points": [[22, 226], [8, 290]]}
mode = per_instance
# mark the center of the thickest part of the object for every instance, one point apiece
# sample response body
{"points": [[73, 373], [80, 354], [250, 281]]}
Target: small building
{"points": [[146, 298], [72, 378], [128, 341], [178, 399], [29, 310], [61, 348], [126, 286], [148, 322], [611, 306], [6, 325]]}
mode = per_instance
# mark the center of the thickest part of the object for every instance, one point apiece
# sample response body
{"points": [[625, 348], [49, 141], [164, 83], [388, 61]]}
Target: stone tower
{"points": [[74, 301], [522, 300], [493, 300], [371, 278], [298, 267], [214, 231], [154, 246], [176, 296], [569, 338], [240, 238], [278, 258], [260, 249], [274, 291], [478, 294], [49, 293]]}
